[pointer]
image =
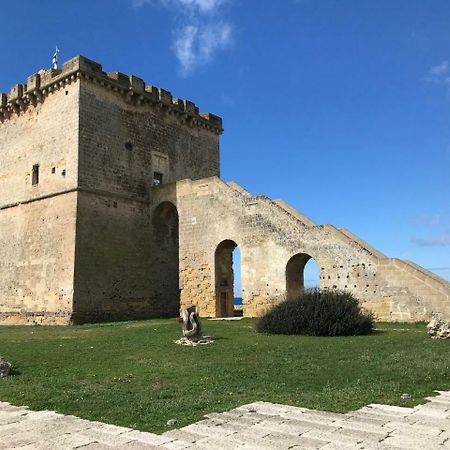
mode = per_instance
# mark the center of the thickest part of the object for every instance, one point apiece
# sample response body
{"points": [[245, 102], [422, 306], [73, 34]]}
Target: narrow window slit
{"points": [[157, 178], [35, 176]]}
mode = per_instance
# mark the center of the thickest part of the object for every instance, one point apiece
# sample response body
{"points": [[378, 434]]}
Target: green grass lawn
{"points": [[132, 374]]}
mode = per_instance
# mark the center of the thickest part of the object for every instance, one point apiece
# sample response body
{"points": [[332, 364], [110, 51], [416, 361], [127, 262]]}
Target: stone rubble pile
{"points": [[439, 329], [194, 342]]}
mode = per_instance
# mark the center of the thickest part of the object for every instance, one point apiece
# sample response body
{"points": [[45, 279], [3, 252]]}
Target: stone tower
{"points": [[81, 151]]}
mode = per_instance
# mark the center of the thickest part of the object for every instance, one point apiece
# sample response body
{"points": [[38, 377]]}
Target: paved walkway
{"points": [[258, 425]]}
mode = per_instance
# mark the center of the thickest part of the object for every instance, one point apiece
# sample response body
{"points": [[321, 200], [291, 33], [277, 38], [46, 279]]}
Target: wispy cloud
{"points": [[197, 45], [440, 74], [203, 6], [440, 70], [201, 31], [431, 220], [441, 240], [428, 219], [139, 3], [436, 225]]}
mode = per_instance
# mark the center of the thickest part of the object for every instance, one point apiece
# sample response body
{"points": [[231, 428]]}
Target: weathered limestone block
{"points": [[439, 329], [5, 368]]}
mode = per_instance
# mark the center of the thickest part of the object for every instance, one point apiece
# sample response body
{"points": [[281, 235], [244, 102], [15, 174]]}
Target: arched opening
{"points": [[226, 283], [302, 273], [237, 283], [311, 275], [166, 258]]}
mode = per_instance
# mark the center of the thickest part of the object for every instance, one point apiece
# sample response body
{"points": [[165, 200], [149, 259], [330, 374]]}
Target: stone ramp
{"points": [[272, 235], [258, 425], [402, 291]]}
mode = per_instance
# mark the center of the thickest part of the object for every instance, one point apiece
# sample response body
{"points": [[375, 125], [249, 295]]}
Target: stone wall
{"points": [[270, 234], [113, 270], [37, 223], [123, 143], [44, 135], [37, 249]]}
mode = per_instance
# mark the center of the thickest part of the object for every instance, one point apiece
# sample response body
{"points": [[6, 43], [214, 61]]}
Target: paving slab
{"points": [[217, 444], [136, 445], [259, 425], [416, 429], [149, 438]]}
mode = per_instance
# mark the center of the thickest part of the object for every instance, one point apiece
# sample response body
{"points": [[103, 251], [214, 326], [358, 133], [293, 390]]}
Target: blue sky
{"points": [[340, 107]]}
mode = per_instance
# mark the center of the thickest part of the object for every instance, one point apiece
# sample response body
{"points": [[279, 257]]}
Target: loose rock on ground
{"points": [[5, 368], [439, 329]]}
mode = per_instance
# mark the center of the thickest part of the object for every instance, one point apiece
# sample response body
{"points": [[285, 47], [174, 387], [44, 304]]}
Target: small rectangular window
{"points": [[35, 176], [157, 178]]}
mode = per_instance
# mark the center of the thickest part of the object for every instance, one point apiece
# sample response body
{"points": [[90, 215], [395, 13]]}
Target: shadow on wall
{"points": [[165, 223]]}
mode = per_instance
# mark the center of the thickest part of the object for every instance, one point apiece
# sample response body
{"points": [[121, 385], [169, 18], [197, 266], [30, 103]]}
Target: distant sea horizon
{"points": [[238, 300]]}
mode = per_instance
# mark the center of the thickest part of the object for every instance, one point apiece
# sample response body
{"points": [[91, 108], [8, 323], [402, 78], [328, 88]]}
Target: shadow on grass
{"points": [[378, 331], [15, 372]]}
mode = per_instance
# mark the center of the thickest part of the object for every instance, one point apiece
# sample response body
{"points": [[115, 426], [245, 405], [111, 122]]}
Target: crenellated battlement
{"points": [[134, 89]]}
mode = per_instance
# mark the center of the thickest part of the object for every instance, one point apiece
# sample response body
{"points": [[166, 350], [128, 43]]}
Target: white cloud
{"points": [[431, 220], [440, 74], [203, 6], [437, 224], [202, 31], [139, 3], [428, 219], [441, 240], [184, 46], [440, 70], [196, 45]]}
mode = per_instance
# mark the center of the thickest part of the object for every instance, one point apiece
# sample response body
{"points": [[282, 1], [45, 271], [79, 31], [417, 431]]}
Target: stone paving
{"points": [[258, 425]]}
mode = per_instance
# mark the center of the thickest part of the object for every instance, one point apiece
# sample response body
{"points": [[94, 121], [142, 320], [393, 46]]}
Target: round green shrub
{"points": [[318, 313]]}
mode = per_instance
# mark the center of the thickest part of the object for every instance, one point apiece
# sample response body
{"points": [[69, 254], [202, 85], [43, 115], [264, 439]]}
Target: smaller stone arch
{"points": [[224, 278], [295, 274]]}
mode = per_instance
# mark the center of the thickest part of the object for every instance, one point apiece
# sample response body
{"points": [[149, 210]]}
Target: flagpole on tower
{"points": [[55, 58]]}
